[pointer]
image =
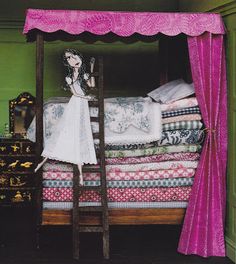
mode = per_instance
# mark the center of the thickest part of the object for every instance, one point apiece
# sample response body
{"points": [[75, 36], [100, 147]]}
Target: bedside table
{"points": [[17, 162]]}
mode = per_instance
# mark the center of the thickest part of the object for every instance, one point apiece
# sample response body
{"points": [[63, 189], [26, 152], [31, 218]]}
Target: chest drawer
{"points": [[16, 147], [17, 163], [16, 180], [16, 196]]}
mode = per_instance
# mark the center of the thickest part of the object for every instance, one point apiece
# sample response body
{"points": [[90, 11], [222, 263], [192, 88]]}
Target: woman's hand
{"points": [[86, 76], [68, 80]]}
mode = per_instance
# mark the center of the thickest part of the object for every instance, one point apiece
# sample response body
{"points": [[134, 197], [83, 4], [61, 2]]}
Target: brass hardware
{"points": [[2, 180], [28, 149], [22, 100], [15, 148], [13, 164], [3, 148], [16, 182], [2, 163], [18, 197], [27, 195], [2, 196], [27, 164]]}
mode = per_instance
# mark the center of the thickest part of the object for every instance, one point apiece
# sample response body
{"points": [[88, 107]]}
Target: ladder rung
{"points": [[96, 229], [90, 209], [93, 103], [94, 119], [96, 135], [92, 188], [92, 169], [94, 74]]}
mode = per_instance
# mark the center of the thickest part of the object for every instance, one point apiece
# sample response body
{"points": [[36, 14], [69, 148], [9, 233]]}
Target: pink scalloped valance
{"points": [[123, 23]]}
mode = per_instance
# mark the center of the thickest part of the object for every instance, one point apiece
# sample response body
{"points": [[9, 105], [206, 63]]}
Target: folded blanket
{"points": [[154, 158], [123, 184], [191, 117], [126, 176], [69, 205], [182, 125], [123, 112], [183, 111], [151, 151], [183, 103], [188, 156], [164, 165], [170, 137], [122, 194]]}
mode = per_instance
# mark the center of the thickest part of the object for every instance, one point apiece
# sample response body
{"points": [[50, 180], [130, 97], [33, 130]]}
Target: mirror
{"points": [[21, 113]]}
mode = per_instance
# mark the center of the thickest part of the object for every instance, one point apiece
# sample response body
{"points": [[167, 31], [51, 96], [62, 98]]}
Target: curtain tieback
{"points": [[209, 130], [201, 133]]}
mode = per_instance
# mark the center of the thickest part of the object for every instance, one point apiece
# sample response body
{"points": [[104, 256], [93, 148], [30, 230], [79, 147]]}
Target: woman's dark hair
{"points": [[70, 69]]}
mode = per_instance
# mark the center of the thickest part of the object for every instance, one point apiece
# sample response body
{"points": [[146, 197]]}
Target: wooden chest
{"points": [[17, 162]]}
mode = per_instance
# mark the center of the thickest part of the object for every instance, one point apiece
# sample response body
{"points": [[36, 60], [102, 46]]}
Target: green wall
{"points": [[202, 5]]}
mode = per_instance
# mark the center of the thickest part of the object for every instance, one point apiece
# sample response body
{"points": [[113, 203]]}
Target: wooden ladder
{"points": [[102, 188]]}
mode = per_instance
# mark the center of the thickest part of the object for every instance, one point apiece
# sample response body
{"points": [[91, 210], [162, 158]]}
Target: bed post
{"points": [[39, 127], [163, 59]]}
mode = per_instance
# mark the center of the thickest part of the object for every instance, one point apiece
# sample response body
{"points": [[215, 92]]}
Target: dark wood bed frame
{"points": [[142, 216]]}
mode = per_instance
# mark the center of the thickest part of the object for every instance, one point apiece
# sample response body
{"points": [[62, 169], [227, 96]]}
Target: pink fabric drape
{"points": [[203, 229], [122, 23]]}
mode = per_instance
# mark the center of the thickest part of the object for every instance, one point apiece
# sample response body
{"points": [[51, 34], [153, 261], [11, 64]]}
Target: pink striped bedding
{"points": [[181, 118], [154, 158], [187, 102], [138, 175], [122, 195]]}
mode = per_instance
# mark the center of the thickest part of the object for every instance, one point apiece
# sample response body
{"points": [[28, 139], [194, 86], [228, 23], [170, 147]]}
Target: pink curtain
{"points": [[203, 229]]}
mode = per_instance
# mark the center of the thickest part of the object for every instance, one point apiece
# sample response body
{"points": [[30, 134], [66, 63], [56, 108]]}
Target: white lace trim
{"points": [[68, 161]]}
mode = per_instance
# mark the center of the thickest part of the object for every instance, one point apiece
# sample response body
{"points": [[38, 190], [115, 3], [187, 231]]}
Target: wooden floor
{"points": [[129, 244]]}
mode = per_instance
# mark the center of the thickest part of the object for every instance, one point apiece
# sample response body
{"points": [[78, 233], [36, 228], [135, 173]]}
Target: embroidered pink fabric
{"points": [[123, 23], [203, 229]]}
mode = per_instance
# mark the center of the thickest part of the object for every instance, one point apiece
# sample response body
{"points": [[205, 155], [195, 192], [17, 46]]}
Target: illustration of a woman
{"points": [[72, 139]]}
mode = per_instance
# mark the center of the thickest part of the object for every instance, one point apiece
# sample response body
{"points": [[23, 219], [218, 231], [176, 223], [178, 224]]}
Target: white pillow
{"points": [[172, 91]]}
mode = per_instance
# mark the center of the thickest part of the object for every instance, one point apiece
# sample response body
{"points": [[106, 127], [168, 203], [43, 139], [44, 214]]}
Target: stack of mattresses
{"points": [[156, 174]]}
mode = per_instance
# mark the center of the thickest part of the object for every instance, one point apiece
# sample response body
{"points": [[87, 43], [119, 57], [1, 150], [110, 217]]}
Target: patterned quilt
{"points": [[126, 120], [69, 205], [124, 184], [126, 176], [122, 194]]}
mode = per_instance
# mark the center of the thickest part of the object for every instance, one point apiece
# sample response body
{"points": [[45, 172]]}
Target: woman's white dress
{"points": [[72, 139]]}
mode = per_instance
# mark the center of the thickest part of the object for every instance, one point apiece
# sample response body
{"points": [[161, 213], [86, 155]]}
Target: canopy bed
{"points": [[203, 226]]}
